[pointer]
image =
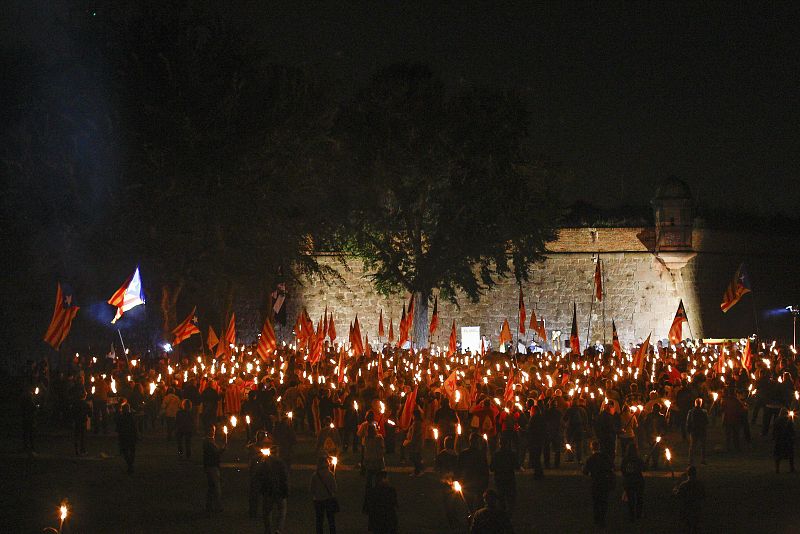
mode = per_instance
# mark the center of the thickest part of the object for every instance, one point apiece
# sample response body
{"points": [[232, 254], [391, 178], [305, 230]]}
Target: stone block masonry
{"points": [[641, 294]]}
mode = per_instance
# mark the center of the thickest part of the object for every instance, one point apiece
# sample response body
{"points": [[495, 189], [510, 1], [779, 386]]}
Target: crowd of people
{"points": [[486, 416]]}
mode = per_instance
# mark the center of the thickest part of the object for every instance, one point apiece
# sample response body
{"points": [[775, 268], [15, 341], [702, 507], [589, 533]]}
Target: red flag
{"points": [[367, 347], [315, 343], [331, 329], [736, 289], [61, 323], [615, 339], [380, 365], [641, 354], [408, 409], [508, 394], [391, 331], [359, 348], [451, 347], [598, 281], [747, 357], [450, 385], [676, 330], [403, 328], [341, 366], [268, 342], [574, 340], [521, 313], [534, 323], [212, 340], [380, 325], [434, 318], [187, 328], [505, 333], [542, 331]]}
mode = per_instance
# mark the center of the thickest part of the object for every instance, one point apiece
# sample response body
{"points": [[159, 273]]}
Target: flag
{"points": [[483, 347], [128, 296], [534, 323], [574, 340], [212, 340], [359, 345], [367, 347], [278, 296], [505, 333], [434, 318], [521, 313], [403, 328], [615, 339], [316, 342], [186, 329], [408, 409], [340, 379], [450, 384], [267, 343], [451, 346], [380, 365], [641, 354], [228, 338], [747, 357], [598, 281], [331, 329], [381, 332], [391, 331], [63, 315], [736, 289], [676, 330], [508, 394]]}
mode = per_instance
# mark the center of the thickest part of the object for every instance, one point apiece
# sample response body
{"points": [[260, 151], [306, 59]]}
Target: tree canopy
{"points": [[440, 192]]}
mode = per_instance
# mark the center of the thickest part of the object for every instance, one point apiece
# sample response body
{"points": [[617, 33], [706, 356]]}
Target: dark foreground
{"points": [[166, 494]]}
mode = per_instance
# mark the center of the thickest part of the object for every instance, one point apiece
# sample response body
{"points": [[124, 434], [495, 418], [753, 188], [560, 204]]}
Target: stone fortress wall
{"points": [[642, 289]]}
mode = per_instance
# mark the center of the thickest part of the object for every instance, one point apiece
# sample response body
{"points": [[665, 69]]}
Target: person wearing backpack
{"points": [[696, 428]]}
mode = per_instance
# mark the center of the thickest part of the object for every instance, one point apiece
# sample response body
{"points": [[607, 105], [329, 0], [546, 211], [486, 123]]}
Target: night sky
{"points": [[621, 97]]}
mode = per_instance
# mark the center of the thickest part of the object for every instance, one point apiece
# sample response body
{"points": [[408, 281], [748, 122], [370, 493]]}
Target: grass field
{"points": [[166, 494]]}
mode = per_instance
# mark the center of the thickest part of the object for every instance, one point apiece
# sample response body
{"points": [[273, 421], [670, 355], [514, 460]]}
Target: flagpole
{"points": [[589, 325], [755, 311], [124, 350], [603, 302]]}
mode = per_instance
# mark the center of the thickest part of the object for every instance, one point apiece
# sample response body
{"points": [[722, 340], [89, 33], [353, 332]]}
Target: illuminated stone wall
{"points": [[641, 295]]}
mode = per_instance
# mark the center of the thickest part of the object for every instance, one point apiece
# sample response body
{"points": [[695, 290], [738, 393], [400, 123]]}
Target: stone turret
{"points": [[674, 217]]}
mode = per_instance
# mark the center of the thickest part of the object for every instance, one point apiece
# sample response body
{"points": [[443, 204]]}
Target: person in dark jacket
{"points": [[126, 432], [473, 471], [555, 435], [633, 481], [536, 435], [606, 429], [273, 477], [184, 428], [285, 438], [601, 468], [504, 466], [696, 428], [491, 519], [690, 494], [81, 411], [381, 506], [211, 458], [783, 433]]}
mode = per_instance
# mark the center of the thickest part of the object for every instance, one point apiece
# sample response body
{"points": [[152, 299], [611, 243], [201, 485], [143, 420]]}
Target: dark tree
{"points": [[440, 192]]}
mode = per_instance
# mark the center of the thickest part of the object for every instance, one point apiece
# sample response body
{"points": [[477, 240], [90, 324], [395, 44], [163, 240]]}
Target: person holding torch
{"points": [[211, 459]]}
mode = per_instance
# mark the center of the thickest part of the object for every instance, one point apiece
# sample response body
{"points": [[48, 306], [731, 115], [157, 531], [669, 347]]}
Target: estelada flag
{"points": [[228, 338], [186, 329], [451, 346], [736, 289], [508, 394], [641, 354], [676, 330], [380, 325], [521, 313], [128, 296], [408, 409], [268, 342], [63, 315], [615, 339], [434, 318], [574, 340], [505, 333], [212, 340], [598, 281], [747, 357]]}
